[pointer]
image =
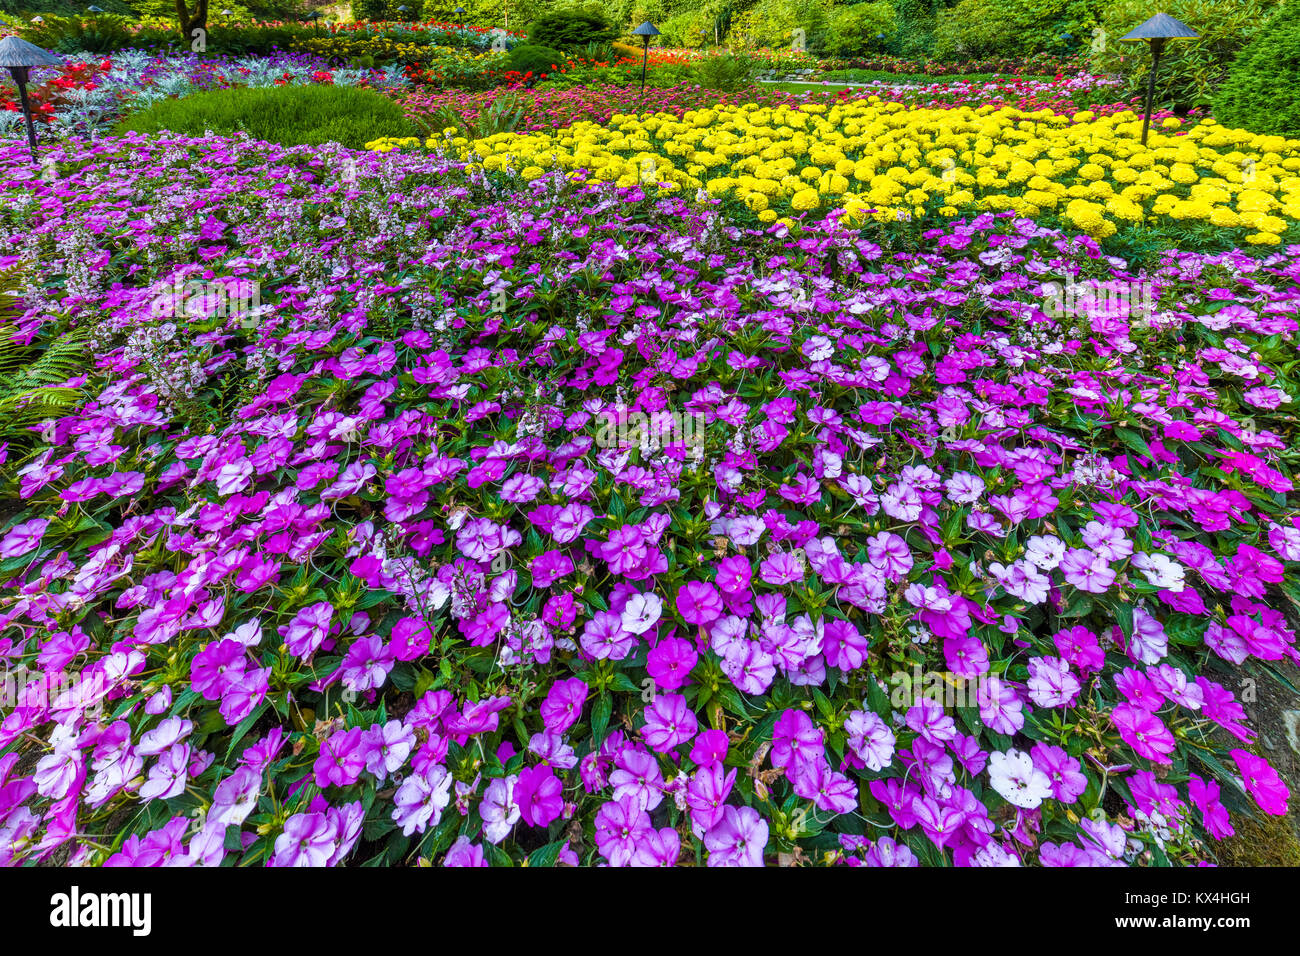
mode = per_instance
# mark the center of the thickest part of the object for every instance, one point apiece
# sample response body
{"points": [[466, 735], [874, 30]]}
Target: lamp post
{"points": [[645, 31], [460, 17], [1157, 31], [94, 9], [314, 17], [18, 57], [403, 10]]}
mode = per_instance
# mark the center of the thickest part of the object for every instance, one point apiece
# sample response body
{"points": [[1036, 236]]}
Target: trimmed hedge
{"points": [[1262, 91]]}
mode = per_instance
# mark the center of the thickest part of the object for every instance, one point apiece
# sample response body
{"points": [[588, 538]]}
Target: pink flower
{"points": [[1144, 732], [699, 602], [23, 538], [1262, 782]]}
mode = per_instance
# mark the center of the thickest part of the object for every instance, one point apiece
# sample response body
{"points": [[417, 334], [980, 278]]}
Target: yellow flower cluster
{"points": [[886, 161]]}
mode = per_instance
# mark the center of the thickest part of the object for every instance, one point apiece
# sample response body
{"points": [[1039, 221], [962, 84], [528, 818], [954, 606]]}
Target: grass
{"points": [[288, 115]]}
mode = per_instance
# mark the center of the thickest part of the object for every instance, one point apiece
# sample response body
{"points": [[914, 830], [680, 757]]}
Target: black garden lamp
{"points": [[18, 57], [1157, 31], [94, 9], [403, 9], [314, 17], [645, 31], [460, 17]]}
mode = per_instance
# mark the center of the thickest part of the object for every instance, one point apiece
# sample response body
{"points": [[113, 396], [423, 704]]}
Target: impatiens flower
{"points": [[869, 739], [562, 707], [738, 839], [795, 740], [669, 722], [641, 613], [1262, 782], [699, 602], [465, 853], [23, 538], [1050, 682], [421, 798], [620, 827], [307, 840], [540, 795], [305, 633], [1143, 731], [1087, 570], [1014, 776], [499, 809], [1062, 771], [1204, 795], [670, 663]]}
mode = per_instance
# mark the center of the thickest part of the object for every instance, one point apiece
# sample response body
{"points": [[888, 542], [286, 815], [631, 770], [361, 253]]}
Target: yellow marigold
{"points": [[1263, 239], [805, 199], [1224, 218]]}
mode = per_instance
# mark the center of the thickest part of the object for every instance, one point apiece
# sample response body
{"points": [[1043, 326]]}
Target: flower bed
{"points": [[565, 525], [1197, 186], [86, 96]]}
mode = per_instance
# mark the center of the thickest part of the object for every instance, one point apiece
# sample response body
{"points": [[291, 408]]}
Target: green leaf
{"points": [[600, 715], [246, 725], [547, 855]]}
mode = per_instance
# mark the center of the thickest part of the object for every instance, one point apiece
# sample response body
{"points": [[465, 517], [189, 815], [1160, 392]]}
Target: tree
{"points": [[191, 20]]}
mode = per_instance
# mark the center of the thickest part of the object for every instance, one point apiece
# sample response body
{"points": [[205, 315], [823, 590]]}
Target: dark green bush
{"points": [[377, 10], [289, 115], [535, 59], [93, 34], [570, 30], [1262, 91], [727, 72], [1190, 70]]}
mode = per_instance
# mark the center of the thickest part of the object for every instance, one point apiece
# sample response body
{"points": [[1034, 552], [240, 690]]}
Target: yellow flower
{"points": [[805, 199]]}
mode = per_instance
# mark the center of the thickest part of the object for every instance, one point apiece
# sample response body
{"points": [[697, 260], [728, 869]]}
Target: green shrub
{"points": [[386, 10], [570, 30], [860, 28], [18, 9], [289, 115], [104, 33], [1190, 70], [772, 23], [1262, 91], [532, 58], [727, 72], [980, 28]]}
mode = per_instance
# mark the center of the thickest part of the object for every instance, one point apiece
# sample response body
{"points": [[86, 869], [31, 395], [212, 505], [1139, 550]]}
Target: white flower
{"points": [[1161, 570], [641, 613], [1015, 777], [1045, 551]]}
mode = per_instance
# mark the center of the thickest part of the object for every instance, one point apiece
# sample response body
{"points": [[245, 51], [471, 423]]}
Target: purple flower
{"points": [[669, 723], [23, 538], [670, 662], [699, 603], [738, 839], [540, 795], [307, 840], [620, 827]]}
